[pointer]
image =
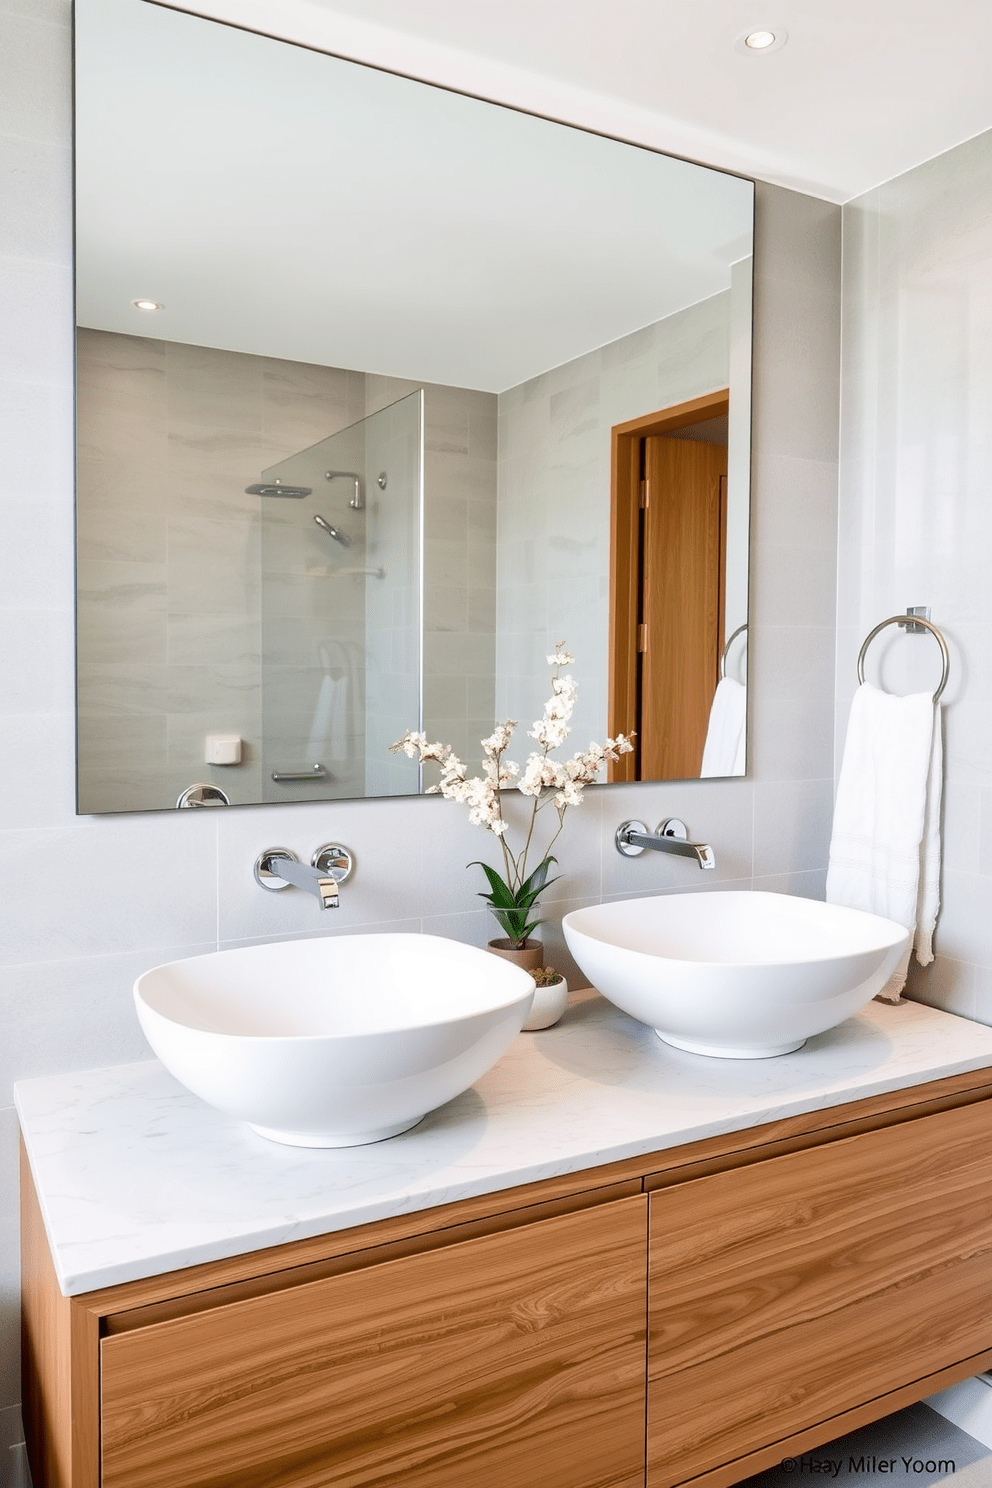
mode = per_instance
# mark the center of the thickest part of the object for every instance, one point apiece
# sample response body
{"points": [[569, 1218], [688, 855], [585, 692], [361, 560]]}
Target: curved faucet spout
{"points": [[277, 868], [302, 876], [632, 837]]}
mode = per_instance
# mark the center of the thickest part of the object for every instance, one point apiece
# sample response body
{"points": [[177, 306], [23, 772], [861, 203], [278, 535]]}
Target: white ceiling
{"points": [[864, 89]]}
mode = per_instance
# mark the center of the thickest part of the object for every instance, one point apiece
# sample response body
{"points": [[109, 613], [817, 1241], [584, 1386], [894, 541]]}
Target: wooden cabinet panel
{"points": [[787, 1292], [514, 1359]]}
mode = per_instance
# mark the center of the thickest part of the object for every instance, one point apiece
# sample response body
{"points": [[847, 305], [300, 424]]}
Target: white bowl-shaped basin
{"points": [[739, 975], [337, 1041]]}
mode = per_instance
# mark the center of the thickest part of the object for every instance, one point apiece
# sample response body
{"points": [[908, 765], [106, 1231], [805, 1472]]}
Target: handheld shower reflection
{"points": [[332, 531]]}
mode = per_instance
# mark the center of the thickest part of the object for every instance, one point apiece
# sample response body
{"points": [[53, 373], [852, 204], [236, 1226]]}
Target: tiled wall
{"points": [[915, 511], [179, 569], [553, 547], [88, 903], [169, 543]]}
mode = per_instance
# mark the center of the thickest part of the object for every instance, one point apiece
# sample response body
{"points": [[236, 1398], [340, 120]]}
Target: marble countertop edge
{"points": [[137, 1177]]}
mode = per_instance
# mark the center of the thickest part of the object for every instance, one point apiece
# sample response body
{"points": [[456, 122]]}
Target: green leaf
{"points": [[510, 907], [539, 877], [525, 902], [500, 892], [501, 898], [515, 925], [538, 881]]}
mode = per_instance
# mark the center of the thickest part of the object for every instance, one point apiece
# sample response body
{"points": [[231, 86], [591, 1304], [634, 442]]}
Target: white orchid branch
{"points": [[549, 782]]}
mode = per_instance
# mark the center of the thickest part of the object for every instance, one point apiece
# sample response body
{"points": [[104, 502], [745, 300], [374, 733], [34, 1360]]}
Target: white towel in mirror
{"points": [[726, 734], [333, 726]]}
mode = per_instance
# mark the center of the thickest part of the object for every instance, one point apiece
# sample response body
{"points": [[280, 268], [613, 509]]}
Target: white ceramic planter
{"points": [[548, 1006]]}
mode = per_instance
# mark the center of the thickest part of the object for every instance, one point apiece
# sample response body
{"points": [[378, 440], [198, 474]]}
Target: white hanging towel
{"points": [[723, 752], [885, 847]]}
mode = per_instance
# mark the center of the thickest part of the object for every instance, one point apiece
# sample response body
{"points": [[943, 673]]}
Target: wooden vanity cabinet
{"points": [[507, 1349], [822, 1285], [516, 1358], [730, 1302]]}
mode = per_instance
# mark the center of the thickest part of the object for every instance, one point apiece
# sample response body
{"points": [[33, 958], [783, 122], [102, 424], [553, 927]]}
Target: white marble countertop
{"points": [[136, 1176]]}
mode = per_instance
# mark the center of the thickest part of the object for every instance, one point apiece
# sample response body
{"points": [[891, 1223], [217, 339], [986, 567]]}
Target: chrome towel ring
{"points": [[910, 621], [726, 650]]}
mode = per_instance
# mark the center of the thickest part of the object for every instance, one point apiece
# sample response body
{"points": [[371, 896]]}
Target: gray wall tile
{"points": [[915, 520]]}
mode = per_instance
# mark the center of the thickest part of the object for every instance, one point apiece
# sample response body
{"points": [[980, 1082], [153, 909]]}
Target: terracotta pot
{"points": [[548, 1005], [530, 955]]}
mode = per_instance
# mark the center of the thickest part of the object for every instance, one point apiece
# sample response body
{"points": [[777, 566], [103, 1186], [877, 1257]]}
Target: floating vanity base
{"points": [[681, 1319], [335, 1139], [722, 1051]]}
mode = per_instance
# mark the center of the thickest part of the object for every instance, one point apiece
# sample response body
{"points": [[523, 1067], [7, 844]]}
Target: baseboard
{"points": [[967, 1405]]}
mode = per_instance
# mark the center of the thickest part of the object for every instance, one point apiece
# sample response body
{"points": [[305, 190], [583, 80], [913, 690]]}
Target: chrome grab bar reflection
{"points": [[314, 772]]}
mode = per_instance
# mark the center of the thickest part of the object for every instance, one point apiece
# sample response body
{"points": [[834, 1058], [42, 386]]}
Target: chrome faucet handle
{"points": [[334, 860], [266, 870], [625, 832]]}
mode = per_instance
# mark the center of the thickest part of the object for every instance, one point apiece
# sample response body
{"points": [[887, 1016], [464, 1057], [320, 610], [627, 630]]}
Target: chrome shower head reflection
{"points": [[332, 531], [276, 488]]}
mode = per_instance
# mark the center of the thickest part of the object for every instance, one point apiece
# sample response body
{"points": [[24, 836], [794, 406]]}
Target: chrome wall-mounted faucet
{"points": [[279, 868], [672, 836]]}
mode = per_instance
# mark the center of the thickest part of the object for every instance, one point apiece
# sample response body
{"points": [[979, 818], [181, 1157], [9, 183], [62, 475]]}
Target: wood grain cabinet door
{"points": [[515, 1359], [786, 1292]]}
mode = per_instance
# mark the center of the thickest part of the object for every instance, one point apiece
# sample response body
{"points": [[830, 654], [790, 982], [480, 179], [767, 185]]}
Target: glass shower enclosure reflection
{"points": [[342, 604]]}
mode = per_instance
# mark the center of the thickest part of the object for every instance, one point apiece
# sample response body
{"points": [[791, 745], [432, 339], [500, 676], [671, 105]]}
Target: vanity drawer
{"points": [[787, 1292], [516, 1358]]}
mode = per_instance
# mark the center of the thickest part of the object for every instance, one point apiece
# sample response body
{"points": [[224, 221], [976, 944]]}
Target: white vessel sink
{"points": [[337, 1041], [738, 975]]}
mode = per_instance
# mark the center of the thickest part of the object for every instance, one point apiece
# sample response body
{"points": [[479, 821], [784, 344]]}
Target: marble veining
{"points": [[136, 1176]]}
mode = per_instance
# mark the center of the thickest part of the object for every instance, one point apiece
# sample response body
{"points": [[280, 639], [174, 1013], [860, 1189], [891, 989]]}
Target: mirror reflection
{"points": [[430, 385]]}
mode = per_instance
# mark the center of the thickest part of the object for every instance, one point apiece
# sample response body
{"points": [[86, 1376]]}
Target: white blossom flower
{"points": [[499, 739], [552, 730], [569, 795], [540, 774], [547, 781]]}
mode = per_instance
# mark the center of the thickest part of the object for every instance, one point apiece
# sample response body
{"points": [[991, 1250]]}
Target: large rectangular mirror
{"points": [[382, 391]]}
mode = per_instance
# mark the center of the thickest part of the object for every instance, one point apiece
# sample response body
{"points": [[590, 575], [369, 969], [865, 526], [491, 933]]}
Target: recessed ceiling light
{"points": [[147, 305], [761, 41]]}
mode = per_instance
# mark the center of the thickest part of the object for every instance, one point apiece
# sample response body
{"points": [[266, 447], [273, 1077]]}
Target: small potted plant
{"points": [[550, 999], [513, 894]]}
